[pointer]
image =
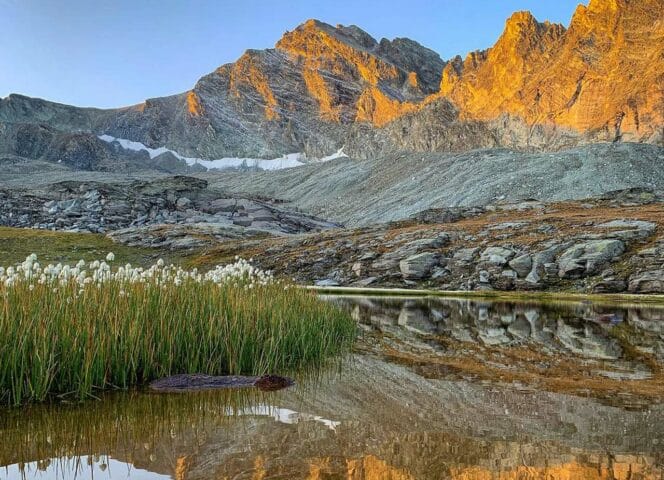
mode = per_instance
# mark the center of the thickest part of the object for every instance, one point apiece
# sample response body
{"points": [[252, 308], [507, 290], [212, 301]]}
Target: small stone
{"points": [[357, 268]]}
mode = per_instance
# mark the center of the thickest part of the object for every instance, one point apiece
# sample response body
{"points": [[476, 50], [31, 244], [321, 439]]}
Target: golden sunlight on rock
{"points": [[260, 471], [332, 60], [375, 107], [318, 89], [194, 106], [584, 77], [247, 73], [412, 79]]}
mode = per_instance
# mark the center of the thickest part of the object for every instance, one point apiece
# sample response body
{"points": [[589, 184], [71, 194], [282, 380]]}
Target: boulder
{"points": [[647, 282], [535, 276], [418, 266], [635, 228], [465, 255], [183, 203], [610, 285], [357, 268], [438, 241], [496, 255], [243, 222], [586, 258], [364, 282], [522, 265]]}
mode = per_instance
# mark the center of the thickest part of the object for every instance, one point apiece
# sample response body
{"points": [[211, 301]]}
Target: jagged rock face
{"points": [[603, 76], [307, 94], [354, 78], [541, 86]]}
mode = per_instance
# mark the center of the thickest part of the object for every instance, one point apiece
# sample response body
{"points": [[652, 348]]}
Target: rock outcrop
{"points": [[606, 245], [583, 78], [171, 213]]}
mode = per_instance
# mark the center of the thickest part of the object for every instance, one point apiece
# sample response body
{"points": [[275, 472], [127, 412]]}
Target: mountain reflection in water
{"points": [[438, 388]]}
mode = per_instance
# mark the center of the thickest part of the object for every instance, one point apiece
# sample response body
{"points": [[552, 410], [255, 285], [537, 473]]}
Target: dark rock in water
{"points": [[196, 382], [270, 383]]}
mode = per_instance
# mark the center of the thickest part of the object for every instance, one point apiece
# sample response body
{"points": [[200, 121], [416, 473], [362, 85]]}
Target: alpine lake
{"points": [[435, 388]]}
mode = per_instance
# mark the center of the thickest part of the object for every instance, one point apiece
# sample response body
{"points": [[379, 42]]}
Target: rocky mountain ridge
{"points": [[541, 86]]}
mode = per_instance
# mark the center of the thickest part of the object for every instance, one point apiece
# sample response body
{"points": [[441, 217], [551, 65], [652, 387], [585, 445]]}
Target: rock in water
{"points": [[269, 383], [196, 382]]}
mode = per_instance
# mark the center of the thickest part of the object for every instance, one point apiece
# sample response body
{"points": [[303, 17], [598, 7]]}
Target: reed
{"points": [[75, 330]]}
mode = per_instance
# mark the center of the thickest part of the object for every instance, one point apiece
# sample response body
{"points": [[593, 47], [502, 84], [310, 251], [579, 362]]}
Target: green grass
{"points": [[59, 341], [64, 247]]}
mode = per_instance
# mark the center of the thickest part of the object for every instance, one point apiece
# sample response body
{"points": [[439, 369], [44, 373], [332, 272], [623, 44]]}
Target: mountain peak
{"points": [[350, 34], [521, 20], [523, 25]]}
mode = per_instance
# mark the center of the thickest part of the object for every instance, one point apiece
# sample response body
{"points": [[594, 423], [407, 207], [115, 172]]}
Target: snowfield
{"points": [[290, 160]]}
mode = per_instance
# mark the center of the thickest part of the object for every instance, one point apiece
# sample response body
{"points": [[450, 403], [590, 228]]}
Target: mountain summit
{"points": [[603, 76], [323, 87]]}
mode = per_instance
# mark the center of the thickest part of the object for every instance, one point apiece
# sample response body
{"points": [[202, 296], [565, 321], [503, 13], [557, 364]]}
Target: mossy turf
{"points": [[63, 247]]}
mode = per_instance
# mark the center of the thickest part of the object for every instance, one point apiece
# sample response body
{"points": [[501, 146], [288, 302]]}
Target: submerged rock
{"points": [[196, 382]]}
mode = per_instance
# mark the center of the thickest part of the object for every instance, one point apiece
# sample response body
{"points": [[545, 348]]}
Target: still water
{"points": [[436, 388]]}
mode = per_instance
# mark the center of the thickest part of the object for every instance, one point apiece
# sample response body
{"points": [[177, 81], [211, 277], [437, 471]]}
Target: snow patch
{"points": [[338, 154], [290, 160]]}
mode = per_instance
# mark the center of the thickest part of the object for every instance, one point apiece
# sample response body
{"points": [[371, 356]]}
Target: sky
{"points": [[106, 53]]}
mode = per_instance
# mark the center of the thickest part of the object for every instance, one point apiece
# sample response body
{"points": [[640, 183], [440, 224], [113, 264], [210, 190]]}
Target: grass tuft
{"points": [[71, 333]]}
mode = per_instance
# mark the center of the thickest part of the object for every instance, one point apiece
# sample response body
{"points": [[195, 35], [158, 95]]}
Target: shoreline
{"points": [[621, 299]]}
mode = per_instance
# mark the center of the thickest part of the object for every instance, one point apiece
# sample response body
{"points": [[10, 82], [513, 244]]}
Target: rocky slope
{"points": [[540, 86], [400, 185], [170, 213], [613, 244]]}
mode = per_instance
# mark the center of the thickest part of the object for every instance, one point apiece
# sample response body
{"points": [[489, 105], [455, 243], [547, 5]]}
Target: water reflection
{"points": [[581, 348], [452, 389]]}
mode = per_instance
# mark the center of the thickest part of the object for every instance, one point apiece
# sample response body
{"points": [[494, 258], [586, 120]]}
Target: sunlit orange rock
{"points": [[345, 72], [373, 468], [194, 106], [247, 72], [604, 75]]}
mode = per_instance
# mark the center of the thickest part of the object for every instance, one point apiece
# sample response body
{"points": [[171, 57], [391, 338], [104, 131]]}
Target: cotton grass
{"points": [[73, 330]]}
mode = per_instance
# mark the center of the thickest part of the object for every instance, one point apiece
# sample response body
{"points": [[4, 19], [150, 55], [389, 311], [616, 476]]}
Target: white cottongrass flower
{"points": [[241, 273], [110, 257]]}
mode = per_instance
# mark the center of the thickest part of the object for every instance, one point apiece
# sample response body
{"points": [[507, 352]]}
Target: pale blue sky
{"points": [[114, 53]]}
